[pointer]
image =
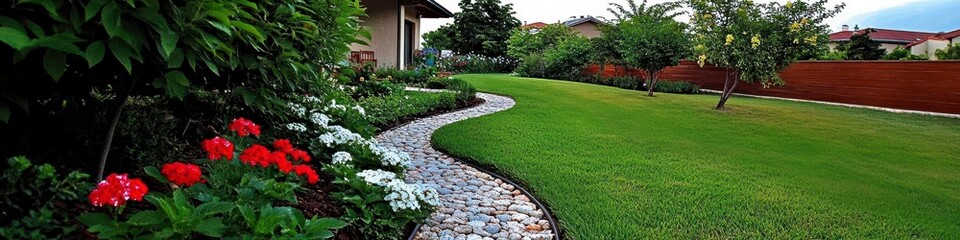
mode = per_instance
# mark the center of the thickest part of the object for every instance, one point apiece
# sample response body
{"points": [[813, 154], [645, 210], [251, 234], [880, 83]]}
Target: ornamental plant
{"points": [[369, 177], [649, 39], [755, 42], [218, 197], [32, 198]]}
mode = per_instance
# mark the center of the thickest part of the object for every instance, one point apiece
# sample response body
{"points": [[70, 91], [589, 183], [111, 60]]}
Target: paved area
{"points": [[475, 205]]}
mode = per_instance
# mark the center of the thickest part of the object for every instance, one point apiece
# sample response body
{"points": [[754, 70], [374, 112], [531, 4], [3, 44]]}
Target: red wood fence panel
{"points": [[913, 85]]}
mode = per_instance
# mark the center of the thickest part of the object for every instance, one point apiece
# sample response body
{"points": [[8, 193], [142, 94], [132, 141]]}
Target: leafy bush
{"points": [[681, 87], [833, 55], [233, 199], [35, 199], [568, 58], [901, 53], [465, 92], [384, 111], [532, 65], [951, 52]]}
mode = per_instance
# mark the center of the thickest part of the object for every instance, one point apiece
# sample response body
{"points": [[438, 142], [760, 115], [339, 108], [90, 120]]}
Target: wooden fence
{"points": [[932, 86]]}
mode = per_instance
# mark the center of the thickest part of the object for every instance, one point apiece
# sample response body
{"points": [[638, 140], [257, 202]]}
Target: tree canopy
{"points": [[862, 47], [483, 27], [757, 41]]}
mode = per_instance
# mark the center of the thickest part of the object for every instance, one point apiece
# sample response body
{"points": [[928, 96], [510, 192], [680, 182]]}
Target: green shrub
{"points": [[568, 58], [477, 64], [532, 66], [391, 109], [951, 52], [901, 53], [833, 55], [36, 200], [681, 87]]}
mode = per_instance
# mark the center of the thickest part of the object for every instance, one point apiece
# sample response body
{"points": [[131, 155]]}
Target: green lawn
{"points": [[614, 164]]}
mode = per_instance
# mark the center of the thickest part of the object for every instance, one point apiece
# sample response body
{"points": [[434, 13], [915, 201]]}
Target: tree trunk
{"points": [[653, 82], [118, 112], [728, 86]]}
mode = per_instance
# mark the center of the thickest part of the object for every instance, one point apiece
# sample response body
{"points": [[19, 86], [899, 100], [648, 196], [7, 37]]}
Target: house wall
{"points": [[588, 29], [383, 20], [929, 47], [920, 49], [912, 85], [413, 16]]}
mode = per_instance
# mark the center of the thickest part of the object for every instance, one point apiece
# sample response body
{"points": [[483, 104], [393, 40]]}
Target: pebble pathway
{"points": [[475, 205]]}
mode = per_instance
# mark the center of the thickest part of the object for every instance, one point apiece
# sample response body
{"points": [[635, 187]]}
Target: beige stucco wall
{"points": [[956, 40], [383, 21], [890, 47], [929, 47], [588, 29]]}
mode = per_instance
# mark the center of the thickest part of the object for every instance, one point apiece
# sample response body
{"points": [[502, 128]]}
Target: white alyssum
{"points": [[320, 119], [342, 158], [297, 109], [402, 196], [296, 127], [339, 135], [393, 158]]}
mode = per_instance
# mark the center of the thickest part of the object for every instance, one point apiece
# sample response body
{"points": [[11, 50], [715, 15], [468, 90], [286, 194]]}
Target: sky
{"points": [[918, 15]]}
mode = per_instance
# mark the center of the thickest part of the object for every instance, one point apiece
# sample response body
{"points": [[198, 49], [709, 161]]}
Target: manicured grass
{"points": [[614, 164]]}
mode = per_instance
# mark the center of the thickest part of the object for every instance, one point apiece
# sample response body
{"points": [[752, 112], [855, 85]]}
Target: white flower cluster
{"points": [[340, 136], [296, 127], [401, 195], [359, 109], [320, 119], [297, 109], [342, 158]]}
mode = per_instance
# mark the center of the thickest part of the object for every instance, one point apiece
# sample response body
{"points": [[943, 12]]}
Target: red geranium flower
{"points": [[257, 155], [304, 170], [283, 145], [218, 148], [284, 165], [244, 127], [183, 174], [300, 155], [116, 189]]}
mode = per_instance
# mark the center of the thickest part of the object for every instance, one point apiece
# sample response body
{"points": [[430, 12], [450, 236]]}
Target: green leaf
{"points": [[93, 8], [95, 218], [123, 53], [175, 60], [248, 215], [249, 29], [48, 5], [111, 19], [17, 39], [168, 40], [55, 63], [155, 173], [4, 112], [211, 208], [94, 54], [212, 227], [35, 29], [62, 42], [177, 84], [149, 217], [329, 223]]}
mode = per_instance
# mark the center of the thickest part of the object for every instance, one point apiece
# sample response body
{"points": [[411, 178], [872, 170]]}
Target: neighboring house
{"points": [[889, 39], [587, 26], [395, 30], [931, 44]]}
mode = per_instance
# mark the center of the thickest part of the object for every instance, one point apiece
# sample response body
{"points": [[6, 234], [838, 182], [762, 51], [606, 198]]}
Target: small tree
{"points": [[756, 41], [951, 52], [524, 42], [567, 59], [862, 47], [441, 39], [652, 43]]}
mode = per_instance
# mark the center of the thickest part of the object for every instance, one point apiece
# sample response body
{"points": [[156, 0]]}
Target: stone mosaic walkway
{"points": [[476, 205]]}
